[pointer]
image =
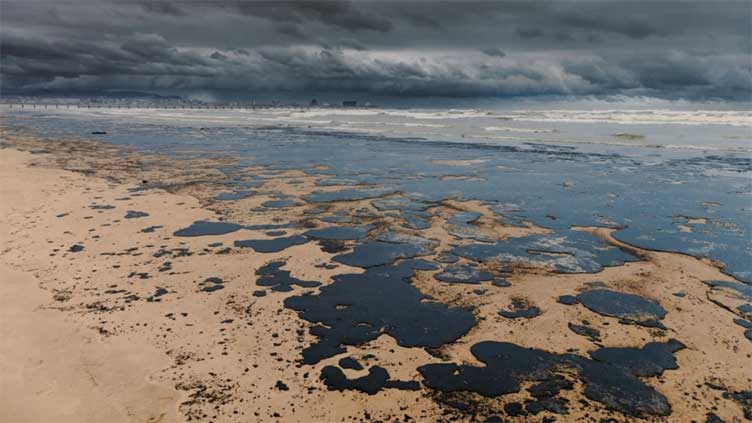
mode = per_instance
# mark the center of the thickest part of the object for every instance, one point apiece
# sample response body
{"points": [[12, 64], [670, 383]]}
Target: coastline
{"points": [[226, 349]]}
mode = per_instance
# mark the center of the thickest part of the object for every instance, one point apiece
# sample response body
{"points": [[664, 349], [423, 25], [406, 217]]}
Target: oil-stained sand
{"points": [[233, 355]]}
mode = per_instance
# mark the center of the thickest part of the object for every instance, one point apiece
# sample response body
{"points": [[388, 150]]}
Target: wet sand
{"points": [[132, 326]]}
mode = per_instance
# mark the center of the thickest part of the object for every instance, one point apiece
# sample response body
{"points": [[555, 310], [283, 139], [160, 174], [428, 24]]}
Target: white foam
{"points": [[511, 129], [638, 117]]}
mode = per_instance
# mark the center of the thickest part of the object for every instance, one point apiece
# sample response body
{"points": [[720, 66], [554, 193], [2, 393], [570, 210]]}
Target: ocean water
{"points": [[646, 173]]}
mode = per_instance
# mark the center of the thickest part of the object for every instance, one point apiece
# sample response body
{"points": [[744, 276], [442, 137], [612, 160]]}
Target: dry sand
{"points": [[85, 338], [55, 370]]}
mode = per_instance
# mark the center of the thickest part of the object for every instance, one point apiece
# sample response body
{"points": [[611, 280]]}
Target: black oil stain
{"points": [[339, 232], [271, 275], [204, 228], [158, 293], [585, 330], [463, 273], [376, 380], [134, 214], [357, 308], [629, 308], [611, 376], [350, 363], [567, 300], [275, 233], [271, 245], [520, 308], [446, 258], [744, 399], [212, 284], [376, 253]]}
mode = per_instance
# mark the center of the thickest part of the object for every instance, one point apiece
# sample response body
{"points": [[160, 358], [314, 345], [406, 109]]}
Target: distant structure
{"points": [[144, 100]]}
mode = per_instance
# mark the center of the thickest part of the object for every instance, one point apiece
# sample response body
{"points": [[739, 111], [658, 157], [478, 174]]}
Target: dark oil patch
{"points": [[744, 399], [212, 284], [567, 300], [500, 282], [743, 289], [333, 246], [376, 253], [346, 195], [376, 380], [271, 275], [269, 226], [589, 332], [271, 245], [281, 204], [204, 228], [463, 273], [75, 248], [158, 293], [446, 258], [350, 363], [611, 377], [339, 232], [648, 361], [520, 308], [629, 308], [357, 308], [275, 233], [135, 214], [212, 288]]}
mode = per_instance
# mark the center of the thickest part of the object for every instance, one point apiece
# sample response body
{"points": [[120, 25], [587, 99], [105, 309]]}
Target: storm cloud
{"points": [[675, 50]]}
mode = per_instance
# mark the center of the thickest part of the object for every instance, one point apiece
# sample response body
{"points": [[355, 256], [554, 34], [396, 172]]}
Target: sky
{"points": [[419, 50]]}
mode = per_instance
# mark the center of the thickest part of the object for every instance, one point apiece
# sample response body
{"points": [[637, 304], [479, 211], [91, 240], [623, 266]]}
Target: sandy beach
{"points": [[107, 315], [348, 211]]}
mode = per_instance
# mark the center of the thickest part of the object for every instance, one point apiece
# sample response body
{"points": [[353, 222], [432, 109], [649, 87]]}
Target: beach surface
{"points": [[110, 313]]}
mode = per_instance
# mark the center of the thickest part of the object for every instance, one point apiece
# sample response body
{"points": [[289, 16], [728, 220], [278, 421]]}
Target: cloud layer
{"points": [[691, 50]]}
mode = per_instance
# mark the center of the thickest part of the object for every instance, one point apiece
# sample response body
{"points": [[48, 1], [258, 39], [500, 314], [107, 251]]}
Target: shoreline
{"points": [[228, 348]]}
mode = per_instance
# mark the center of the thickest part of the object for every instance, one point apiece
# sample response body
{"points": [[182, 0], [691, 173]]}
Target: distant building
{"points": [[314, 102], [349, 103]]}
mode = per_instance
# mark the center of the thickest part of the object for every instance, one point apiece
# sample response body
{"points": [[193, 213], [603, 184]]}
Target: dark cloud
{"points": [[529, 32], [675, 49], [494, 52], [163, 7], [625, 25], [218, 56], [340, 14]]}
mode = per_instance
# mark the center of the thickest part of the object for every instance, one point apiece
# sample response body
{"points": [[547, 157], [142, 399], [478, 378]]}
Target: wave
{"points": [[650, 117], [426, 114], [638, 117], [511, 129]]}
